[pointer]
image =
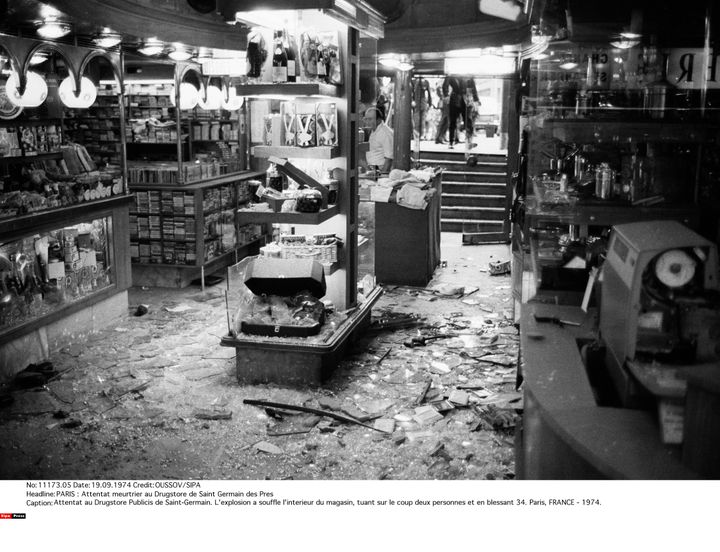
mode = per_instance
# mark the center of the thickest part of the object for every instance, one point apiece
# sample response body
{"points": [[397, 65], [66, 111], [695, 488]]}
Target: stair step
{"points": [[473, 213], [473, 200], [478, 238], [459, 224], [473, 188], [458, 176], [462, 163], [434, 156]]}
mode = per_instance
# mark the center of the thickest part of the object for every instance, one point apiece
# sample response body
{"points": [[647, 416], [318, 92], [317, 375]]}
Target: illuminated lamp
{"points": [[38, 58], [188, 96], [107, 38], [88, 93], [180, 53], [213, 98], [52, 28], [233, 101], [36, 90], [151, 47]]}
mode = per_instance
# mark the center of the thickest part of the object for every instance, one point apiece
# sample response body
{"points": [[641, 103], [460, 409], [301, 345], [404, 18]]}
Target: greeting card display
{"points": [[305, 124], [326, 122], [287, 111]]}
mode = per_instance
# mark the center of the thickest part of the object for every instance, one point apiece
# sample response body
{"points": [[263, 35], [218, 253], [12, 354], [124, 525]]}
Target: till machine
{"points": [[659, 316]]}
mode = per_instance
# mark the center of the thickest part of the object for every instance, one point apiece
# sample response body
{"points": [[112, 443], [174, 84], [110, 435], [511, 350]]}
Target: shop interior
{"points": [[359, 240]]}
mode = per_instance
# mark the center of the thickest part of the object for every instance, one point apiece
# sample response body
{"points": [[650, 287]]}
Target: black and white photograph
{"points": [[444, 257]]}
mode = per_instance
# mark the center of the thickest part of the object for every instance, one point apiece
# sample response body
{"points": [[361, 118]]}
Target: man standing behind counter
{"points": [[380, 143]]}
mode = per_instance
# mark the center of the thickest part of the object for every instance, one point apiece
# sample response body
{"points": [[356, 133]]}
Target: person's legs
{"points": [[442, 127], [453, 116]]}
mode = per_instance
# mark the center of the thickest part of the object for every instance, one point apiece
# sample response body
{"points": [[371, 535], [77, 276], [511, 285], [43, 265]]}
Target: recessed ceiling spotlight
{"points": [[151, 47], [180, 52], [52, 28], [568, 65], [107, 38]]}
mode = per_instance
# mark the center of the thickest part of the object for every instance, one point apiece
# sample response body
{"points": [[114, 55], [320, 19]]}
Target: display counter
{"points": [[565, 434], [407, 241]]}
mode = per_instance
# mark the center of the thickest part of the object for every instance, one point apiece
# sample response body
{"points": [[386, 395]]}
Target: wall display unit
{"points": [[180, 232], [186, 168], [63, 206], [607, 139]]}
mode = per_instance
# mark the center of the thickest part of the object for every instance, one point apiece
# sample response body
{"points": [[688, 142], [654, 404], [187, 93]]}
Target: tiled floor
{"points": [[129, 403]]}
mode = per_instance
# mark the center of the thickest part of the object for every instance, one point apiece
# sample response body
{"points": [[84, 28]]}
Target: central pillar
{"points": [[403, 120]]}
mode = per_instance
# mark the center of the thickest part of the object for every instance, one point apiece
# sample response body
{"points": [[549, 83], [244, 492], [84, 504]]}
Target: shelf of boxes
{"points": [[182, 229]]}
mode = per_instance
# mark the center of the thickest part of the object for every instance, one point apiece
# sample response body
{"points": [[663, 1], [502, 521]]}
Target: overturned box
{"points": [[300, 283], [290, 360]]}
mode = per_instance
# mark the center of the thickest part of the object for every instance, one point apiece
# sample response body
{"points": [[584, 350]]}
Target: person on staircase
{"points": [[443, 106], [421, 104], [456, 90]]}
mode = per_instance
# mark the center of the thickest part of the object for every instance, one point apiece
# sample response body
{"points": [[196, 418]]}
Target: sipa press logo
{"points": [[12, 516]]}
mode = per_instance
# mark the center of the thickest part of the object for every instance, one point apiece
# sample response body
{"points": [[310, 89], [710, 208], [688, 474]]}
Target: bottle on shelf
{"points": [[280, 59], [256, 54], [292, 67], [273, 179], [321, 62], [657, 95]]}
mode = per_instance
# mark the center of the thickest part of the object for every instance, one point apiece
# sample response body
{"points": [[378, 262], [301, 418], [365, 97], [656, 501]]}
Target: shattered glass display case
{"points": [[45, 272], [299, 130]]}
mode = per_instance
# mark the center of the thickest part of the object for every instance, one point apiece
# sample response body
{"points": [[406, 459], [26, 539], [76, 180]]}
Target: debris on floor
{"points": [[154, 396]]}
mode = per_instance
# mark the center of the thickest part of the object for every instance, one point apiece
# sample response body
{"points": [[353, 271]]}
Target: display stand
{"points": [[184, 232], [292, 361], [407, 241], [81, 285]]}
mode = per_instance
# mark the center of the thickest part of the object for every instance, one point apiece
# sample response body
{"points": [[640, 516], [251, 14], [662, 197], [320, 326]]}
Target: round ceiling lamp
{"points": [[151, 47], [36, 90], [107, 38], [188, 96], [52, 28], [213, 98], [233, 102], [180, 53], [38, 58], [87, 96]]}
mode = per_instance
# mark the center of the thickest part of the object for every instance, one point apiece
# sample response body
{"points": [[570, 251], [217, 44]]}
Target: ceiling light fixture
{"points": [[107, 38], [568, 65], [38, 58], [188, 96], [52, 28], [624, 44], [151, 47], [87, 96], [35, 90], [180, 52], [395, 63], [233, 101], [213, 98]]}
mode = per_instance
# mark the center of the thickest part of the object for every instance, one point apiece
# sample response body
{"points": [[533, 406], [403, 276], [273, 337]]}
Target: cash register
{"points": [[659, 316]]}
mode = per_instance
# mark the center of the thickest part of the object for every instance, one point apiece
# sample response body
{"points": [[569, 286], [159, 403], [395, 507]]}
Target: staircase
{"points": [[473, 198]]}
